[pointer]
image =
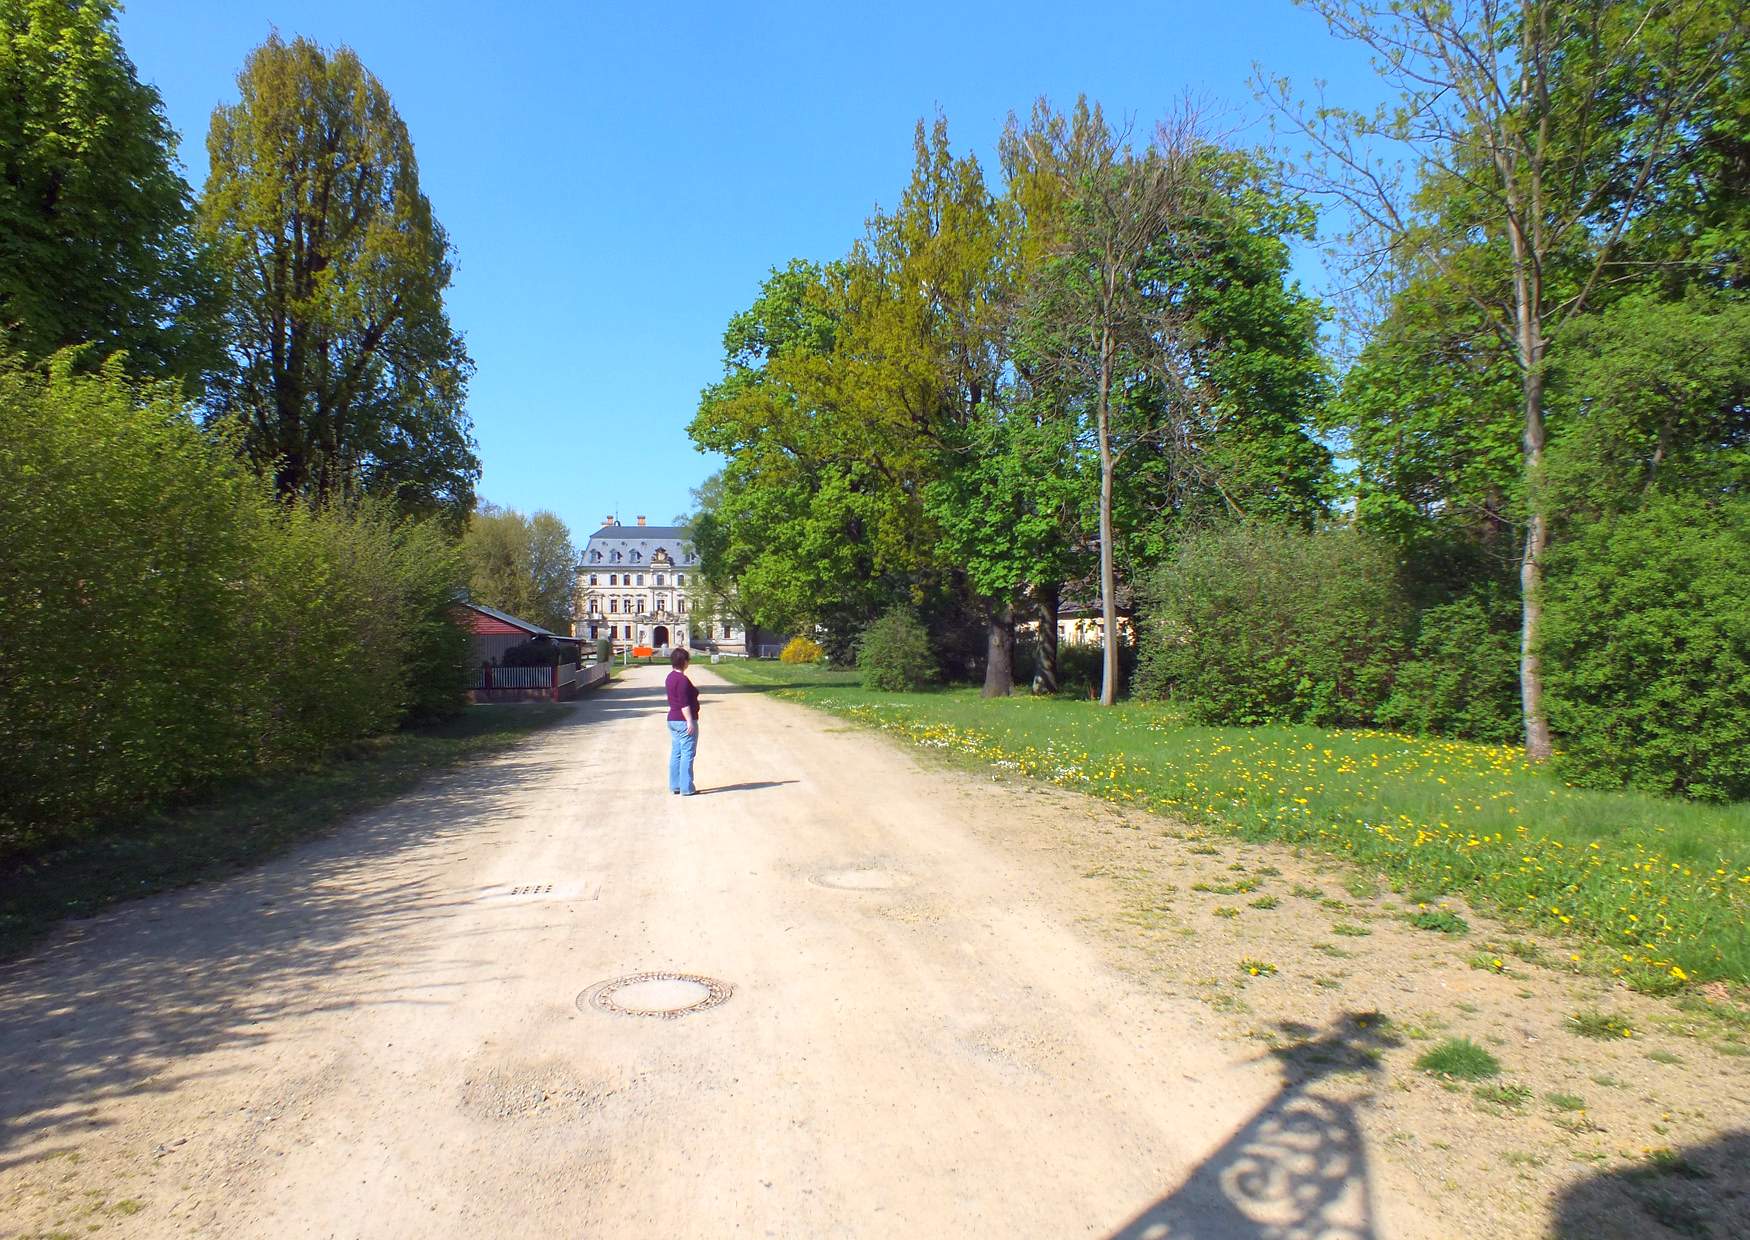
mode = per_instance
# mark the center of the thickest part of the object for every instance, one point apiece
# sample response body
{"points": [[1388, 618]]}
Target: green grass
{"points": [[1461, 1059], [1566, 1102], [242, 823], [1664, 882], [769, 673], [1509, 1096], [1600, 1025], [1444, 921]]}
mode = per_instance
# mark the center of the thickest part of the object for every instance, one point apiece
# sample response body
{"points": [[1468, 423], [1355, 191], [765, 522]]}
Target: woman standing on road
{"points": [[683, 724]]}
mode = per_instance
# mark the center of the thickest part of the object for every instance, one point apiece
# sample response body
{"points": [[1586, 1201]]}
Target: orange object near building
{"points": [[643, 652]]}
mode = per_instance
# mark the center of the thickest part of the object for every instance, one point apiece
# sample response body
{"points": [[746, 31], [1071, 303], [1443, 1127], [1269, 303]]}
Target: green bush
{"points": [[1646, 650], [1265, 624], [169, 624], [894, 653], [1462, 676], [127, 544]]}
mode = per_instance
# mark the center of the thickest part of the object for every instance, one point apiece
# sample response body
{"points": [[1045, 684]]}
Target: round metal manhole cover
{"points": [[662, 995], [861, 878]]}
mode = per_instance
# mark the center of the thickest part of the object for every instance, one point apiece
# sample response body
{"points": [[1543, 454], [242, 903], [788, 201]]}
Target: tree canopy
{"points": [[345, 373], [95, 240]]}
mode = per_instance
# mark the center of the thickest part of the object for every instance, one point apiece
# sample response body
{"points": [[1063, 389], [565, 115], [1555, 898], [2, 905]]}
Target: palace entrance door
{"points": [[659, 636]]}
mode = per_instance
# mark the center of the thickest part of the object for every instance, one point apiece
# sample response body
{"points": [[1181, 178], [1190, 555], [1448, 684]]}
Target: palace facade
{"points": [[637, 586]]}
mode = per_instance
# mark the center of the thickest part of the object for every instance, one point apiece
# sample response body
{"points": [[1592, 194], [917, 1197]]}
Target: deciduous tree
{"points": [[346, 373], [1535, 134], [525, 565], [95, 239]]}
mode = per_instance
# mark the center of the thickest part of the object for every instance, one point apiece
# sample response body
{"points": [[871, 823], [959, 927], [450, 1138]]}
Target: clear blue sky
{"points": [[617, 179]]}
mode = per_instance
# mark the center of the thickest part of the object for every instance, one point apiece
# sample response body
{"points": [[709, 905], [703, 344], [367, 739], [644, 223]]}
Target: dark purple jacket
{"points": [[682, 693]]}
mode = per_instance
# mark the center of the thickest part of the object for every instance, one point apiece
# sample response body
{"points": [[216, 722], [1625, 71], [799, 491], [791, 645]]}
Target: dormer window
{"points": [[614, 558], [595, 557], [635, 558]]}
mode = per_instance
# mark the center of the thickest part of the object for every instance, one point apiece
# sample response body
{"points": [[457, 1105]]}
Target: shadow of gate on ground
{"points": [[1298, 1168]]}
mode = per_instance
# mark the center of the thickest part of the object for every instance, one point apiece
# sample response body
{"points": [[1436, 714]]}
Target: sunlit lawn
{"points": [[1655, 888]]}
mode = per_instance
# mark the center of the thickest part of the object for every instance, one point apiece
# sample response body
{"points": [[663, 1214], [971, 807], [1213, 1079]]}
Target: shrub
{"points": [[170, 624], [1462, 676], [1646, 650], [604, 649], [124, 531], [801, 650], [1261, 624], [894, 653]]}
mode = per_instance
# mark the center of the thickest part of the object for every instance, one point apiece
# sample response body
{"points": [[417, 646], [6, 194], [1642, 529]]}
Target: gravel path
{"points": [[381, 1034]]}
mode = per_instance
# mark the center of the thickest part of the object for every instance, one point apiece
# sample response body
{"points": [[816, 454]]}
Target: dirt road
{"points": [[387, 1033]]}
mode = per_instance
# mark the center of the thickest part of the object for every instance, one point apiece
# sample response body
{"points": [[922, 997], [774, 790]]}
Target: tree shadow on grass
{"points": [[1298, 1168], [1698, 1191]]}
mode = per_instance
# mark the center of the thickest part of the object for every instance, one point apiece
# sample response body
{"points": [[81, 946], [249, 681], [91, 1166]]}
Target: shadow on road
{"points": [[1299, 1166], [1699, 1190], [749, 787], [126, 1002]]}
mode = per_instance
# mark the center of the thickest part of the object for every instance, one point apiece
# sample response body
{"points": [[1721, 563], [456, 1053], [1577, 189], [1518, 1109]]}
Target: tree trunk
{"points": [[1108, 575], [1047, 599], [999, 664], [1537, 737]]}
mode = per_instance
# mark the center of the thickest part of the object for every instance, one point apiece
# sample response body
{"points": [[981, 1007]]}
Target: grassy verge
{"points": [[771, 673], [1657, 890], [241, 824]]}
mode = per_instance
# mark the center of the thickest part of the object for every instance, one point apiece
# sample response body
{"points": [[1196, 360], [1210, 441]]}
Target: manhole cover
{"points": [[663, 995], [867, 878]]}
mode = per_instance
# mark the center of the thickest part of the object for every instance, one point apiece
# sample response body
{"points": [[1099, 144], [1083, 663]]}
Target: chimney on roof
{"points": [[609, 520], [640, 520]]}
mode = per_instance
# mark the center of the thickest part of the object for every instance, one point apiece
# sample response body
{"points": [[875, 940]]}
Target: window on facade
{"points": [[680, 605], [680, 579], [726, 631], [614, 558], [659, 578], [640, 578], [595, 557], [635, 558]]}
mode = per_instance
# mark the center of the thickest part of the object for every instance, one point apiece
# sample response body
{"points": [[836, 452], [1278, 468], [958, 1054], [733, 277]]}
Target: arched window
{"points": [[680, 579], [614, 558], [595, 557], [660, 578], [592, 580], [635, 558]]}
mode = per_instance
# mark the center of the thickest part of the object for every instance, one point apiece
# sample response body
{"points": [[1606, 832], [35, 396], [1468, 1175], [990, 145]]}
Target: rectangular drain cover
{"points": [[540, 889]]}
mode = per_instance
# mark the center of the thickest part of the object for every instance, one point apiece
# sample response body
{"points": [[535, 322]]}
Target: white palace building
{"points": [[636, 586]]}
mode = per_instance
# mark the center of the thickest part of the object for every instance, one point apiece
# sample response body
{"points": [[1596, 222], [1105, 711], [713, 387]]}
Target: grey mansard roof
{"points": [[644, 539]]}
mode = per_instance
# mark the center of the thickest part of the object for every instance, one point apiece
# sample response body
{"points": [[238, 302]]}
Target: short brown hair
{"points": [[680, 656]]}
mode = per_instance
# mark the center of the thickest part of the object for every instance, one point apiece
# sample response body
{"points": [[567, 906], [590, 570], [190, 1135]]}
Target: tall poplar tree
{"points": [[347, 375]]}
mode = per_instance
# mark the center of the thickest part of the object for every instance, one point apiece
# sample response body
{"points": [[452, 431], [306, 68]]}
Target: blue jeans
{"points": [[682, 747]]}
